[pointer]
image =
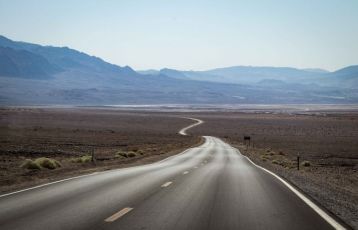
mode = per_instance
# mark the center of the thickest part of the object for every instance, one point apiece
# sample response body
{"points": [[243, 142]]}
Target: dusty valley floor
{"points": [[69, 136], [327, 144]]}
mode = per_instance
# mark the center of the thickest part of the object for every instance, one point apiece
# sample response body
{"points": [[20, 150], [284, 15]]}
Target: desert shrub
{"points": [[281, 153], [121, 154], [263, 158], [58, 164], [30, 164], [126, 154], [82, 159], [140, 152], [76, 160], [131, 154], [275, 162], [306, 164], [86, 159], [47, 163]]}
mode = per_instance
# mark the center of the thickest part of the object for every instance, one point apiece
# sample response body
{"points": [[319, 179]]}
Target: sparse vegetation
{"points": [[131, 154], [30, 164], [40, 163], [269, 153], [306, 164], [47, 163], [125, 154], [68, 135], [82, 159], [263, 158]]}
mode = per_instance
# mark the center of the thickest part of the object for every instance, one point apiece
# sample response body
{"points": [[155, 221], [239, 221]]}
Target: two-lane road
{"points": [[208, 187]]}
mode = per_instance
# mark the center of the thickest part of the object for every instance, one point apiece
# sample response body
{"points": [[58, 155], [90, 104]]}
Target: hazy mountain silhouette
{"points": [[35, 74], [21, 63], [64, 58], [343, 78]]}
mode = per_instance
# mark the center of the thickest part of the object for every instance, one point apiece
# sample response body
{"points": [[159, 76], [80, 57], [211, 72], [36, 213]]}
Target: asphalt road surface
{"points": [[197, 122], [208, 187]]}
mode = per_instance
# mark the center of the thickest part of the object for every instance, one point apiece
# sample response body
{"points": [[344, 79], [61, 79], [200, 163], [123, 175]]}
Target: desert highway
{"points": [[208, 187]]}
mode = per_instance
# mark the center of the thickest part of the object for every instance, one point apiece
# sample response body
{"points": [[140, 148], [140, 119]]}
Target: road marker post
{"points": [[298, 162], [93, 158], [247, 139]]}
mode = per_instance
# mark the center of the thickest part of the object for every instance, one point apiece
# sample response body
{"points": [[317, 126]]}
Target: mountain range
{"points": [[32, 74], [343, 78]]}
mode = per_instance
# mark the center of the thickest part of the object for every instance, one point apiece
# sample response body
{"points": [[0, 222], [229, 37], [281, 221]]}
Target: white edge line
{"points": [[312, 205], [50, 183]]}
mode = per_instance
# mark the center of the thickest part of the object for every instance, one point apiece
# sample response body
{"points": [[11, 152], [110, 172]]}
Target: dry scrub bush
{"points": [[40, 163], [47, 163], [29, 164], [126, 154], [82, 159]]}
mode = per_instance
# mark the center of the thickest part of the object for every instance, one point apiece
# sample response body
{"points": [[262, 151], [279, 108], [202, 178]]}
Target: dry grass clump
{"points": [[270, 153], [306, 164], [39, 163], [82, 159], [30, 164], [281, 153], [263, 157], [47, 163], [126, 154]]}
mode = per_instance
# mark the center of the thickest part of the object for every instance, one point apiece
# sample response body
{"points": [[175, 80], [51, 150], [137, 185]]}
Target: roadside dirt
{"points": [[118, 139]]}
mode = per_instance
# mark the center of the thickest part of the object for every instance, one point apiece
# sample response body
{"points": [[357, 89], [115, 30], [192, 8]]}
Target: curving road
{"points": [[183, 130], [208, 187]]}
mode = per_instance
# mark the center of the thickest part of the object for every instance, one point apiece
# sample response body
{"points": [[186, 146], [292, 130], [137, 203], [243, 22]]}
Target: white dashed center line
{"points": [[166, 184], [118, 215]]}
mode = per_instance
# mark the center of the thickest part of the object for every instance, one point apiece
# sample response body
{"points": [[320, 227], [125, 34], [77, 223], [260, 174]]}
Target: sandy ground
{"points": [[67, 134]]}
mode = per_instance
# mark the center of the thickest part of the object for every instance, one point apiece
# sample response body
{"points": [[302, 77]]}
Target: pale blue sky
{"points": [[188, 34]]}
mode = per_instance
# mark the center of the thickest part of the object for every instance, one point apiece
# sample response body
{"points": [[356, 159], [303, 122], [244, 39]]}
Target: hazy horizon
{"points": [[212, 68], [186, 35]]}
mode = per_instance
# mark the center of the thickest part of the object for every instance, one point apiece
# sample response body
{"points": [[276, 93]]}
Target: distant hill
{"points": [[32, 74], [64, 58], [251, 75], [346, 73], [21, 63], [316, 70]]}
